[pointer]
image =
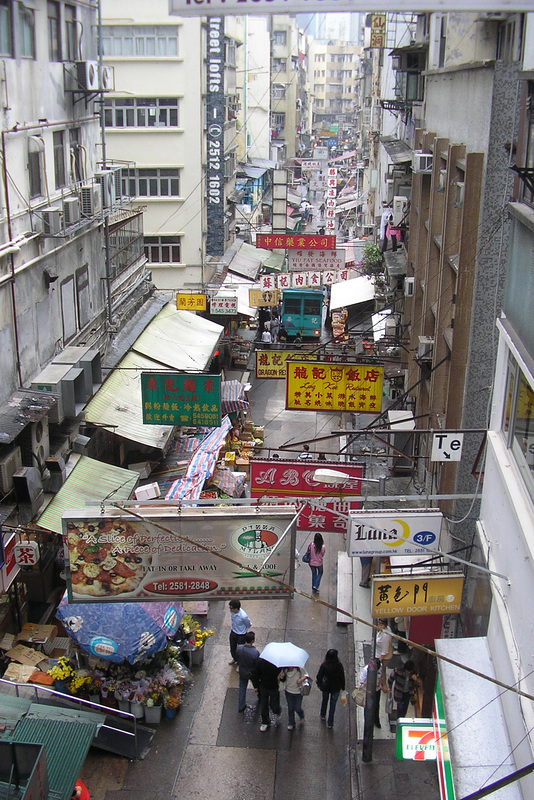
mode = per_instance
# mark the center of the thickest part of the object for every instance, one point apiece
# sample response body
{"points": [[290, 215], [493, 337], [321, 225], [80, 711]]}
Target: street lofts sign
{"points": [[215, 138], [175, 554]]}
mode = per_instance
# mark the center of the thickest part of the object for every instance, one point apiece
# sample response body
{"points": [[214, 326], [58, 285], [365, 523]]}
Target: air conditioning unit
{"points": [[106, 179], [390, 188], [71, 211], [51, 221], [106, 79], [425, 348], [399, 208], [422, 162], [460, 190], [117, 180], [34, 441], [28, 491], [90, 200], [9, 464], [409, 287], [442, 180], [87, 76], [391, 326]]}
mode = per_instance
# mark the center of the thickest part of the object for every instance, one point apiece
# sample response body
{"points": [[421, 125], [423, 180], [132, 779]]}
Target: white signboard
{"points": [[184, 8], [320, 153], [308, 164], [223, 305], [315, 259], [447, 447], [393, 533]]}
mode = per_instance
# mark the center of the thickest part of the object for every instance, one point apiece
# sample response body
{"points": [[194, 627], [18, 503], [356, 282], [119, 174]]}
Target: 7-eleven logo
{"points": [[416, 741]]}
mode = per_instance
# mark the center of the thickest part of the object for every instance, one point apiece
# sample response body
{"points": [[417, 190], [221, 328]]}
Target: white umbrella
{"points": [[284, 654]]}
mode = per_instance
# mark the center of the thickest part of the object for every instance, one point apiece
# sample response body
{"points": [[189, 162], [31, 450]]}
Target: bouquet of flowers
{"points": [[172, 699], [154, 694], [63, 670], [80, 683], [195, 633]]}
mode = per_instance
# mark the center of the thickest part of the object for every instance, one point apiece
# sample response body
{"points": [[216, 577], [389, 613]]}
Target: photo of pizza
{"points": [[106, 557]]}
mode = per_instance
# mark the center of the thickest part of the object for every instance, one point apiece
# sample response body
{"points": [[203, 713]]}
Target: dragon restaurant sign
{"points": [[118, 557], [291, 479]]}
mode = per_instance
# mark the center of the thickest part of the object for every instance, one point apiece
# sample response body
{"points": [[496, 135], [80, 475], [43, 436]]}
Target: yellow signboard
{"points": [[419, 596], [259, 298], [324, 386], [378, 30], [272, 363], [190, 302]]}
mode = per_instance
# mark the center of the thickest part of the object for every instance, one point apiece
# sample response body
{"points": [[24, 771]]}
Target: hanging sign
{"points": [[316, 259], [223, 305], [26, 554], [378, 30], [215, 119], [181, 398], [416, 596], [334, 387], [191, 302], [272, 363], [263, 298], [415, 740], [386, 533], [295, 241]]}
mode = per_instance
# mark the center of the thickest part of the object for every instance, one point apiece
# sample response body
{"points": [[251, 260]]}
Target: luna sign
{"points": [[390, 533]]}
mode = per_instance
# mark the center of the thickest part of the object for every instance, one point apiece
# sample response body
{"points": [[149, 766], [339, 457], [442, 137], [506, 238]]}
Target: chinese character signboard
{"points": [[384, 533], [264, 298], [378, 30], [223, 305], [416, 740], [292, 479], [334, 387], [215, 119], [307, 163], [181, 398], [422, 595], [26, 554], [295, 241], [118, 557], [272, 363], [316, 259], [190, 302]]}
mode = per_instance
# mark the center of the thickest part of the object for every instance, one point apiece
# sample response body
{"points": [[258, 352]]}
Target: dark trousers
{"points": [[235, 639], [269, 698]]}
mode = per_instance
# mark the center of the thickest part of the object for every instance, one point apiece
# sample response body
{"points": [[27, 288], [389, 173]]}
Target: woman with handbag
{"points": [[293, 679], [314, 557], [331, 682]]}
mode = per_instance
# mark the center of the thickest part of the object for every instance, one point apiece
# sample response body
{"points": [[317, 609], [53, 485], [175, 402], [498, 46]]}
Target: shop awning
{"points": [[233, 397], [345, 157], [89, 482], [398, 151], [349, 293], [201, 466], [233, 285], [247, 261], [478, 741]]}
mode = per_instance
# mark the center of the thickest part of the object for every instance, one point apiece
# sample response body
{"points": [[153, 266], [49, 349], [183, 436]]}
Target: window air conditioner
{"points": [[409, 287], [9, 464], [35, 443], [425, 348], [51, 221], [91, 199], [460, 189], [399, 208], [117, 180], [106, 179], [87, 76], [422, 162], [106, 79], [71, 211], [28, 487]]}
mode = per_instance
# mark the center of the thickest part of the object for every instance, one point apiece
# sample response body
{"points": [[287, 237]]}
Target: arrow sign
{"points": [[447, 447]]}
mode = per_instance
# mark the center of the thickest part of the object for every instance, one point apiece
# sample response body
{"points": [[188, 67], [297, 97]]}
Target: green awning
{"points": [[89, 482]]}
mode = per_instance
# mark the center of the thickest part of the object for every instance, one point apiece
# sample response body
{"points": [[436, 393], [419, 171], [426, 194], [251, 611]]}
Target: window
{"points": [[26, 31], [153, 183], [279, 64], [35, 150], [278, 91], [6, 29], [71, 38], [509, 39], [279, 37], [320, 57], [141, 112], [278, 120], [140, 41], [59, 158], [528, 196], [54, 40], [163, 249], [229, 52], [518, 421], [229, 165]]}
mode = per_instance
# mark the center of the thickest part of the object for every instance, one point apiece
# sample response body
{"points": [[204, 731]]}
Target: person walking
{"points": [[366, 562], [384, 648], [265, 677], [321, 209], [305, 455], [317, 551], [282, 333], [275, 327], [378, 687], [240, 623], [331, 681], [246, 656], [403, 682], [292, 679]]}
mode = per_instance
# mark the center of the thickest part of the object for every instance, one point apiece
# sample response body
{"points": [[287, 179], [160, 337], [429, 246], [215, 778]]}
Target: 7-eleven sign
{"points": [[416, 740]]}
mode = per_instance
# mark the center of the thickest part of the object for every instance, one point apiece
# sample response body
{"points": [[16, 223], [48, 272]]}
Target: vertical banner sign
{"points": [[378, 30], [215, 138]]}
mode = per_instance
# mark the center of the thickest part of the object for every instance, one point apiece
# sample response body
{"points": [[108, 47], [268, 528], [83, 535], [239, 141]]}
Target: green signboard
{"points": [[181, 398]]}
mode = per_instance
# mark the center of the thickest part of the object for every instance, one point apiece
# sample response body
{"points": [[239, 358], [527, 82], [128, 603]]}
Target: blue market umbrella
{"points": [[120, 631]]}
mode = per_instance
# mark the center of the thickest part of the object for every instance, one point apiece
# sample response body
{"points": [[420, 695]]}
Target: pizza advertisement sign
{"points": [[325, 386], [117, 557], [291, 479], [181, 398]]}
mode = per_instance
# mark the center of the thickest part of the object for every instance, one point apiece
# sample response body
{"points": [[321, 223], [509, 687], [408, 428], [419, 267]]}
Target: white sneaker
{"points": [[263, 728], [290, 727]]}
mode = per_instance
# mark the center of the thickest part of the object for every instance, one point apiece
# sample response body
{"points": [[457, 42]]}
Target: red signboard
{"points": [[295, 241], [286, 479]]}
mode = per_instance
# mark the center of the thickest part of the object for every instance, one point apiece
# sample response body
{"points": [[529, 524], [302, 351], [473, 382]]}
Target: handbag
{"points": [[358, 695], [389, 704], [305, 686], [307, 555]]}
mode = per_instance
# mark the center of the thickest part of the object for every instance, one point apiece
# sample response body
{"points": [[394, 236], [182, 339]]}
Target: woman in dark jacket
{"points": [[331, 681]]}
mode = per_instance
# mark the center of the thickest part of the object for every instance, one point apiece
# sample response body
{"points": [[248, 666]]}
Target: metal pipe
{"points": [[12, 260]]}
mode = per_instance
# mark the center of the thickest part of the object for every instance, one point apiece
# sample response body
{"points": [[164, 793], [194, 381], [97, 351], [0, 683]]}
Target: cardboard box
{"points": [[150, 491], [26, 656], [18, 673], [37, 634]]}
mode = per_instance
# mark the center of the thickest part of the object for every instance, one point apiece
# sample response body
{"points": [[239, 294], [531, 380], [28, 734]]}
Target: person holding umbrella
{"points": [[331, 681], [267, 672]]}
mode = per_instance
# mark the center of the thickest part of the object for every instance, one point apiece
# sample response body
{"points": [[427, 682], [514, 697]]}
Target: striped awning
{"points": [[201, 466], [229, 482], [233, 397], [90, 482]]}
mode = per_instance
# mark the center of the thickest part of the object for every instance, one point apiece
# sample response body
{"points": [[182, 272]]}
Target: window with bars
{"points": [[152, 183], [140, 41], [278, 120], [279, 37], [141, 112], [278, 91], [163, 249]]}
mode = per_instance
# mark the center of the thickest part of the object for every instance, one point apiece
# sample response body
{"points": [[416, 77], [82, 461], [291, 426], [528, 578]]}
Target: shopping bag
{"points": [[343, 698], [358, 695]]}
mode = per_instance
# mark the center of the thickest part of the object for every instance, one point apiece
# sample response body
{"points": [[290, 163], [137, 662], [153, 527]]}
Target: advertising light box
{"points": [[170, 554], [416, 596], [400, 533]]}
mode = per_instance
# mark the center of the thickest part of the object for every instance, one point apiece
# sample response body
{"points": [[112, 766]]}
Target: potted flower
{"points": [[171, 702], [80, 684], [153, 702], [62, 672]]}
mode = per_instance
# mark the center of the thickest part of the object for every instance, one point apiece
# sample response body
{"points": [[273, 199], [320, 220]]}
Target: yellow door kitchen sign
{"points": [[416, 596], [324, 386]]}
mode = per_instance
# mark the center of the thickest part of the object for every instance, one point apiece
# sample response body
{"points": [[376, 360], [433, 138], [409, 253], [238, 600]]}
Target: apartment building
{"points": [[286, 104], [333, 76]]}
